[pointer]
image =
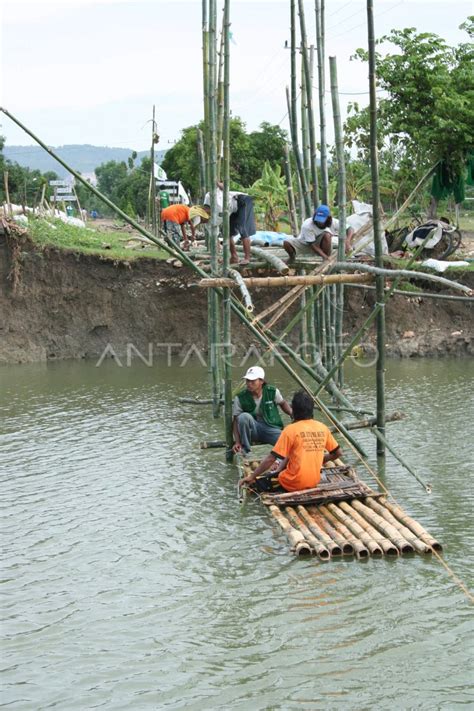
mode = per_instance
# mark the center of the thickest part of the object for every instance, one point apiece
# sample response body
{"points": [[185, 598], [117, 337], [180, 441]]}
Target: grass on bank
{"points": [[111, 244]]}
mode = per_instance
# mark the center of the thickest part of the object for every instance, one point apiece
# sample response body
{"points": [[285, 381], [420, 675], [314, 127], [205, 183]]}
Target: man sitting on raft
{"points": [[302, 448], [255, 412]]}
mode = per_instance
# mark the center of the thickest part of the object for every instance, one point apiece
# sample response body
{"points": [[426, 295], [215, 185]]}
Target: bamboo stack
{"points": [[369, 526]]}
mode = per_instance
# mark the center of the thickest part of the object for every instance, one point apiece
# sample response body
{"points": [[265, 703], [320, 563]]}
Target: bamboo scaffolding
{"points": [[296, 539], [320, 45], [220, 100], [360, 550], [305, 147], [154, 139], [378, 517], [334, 548], [319, 548], [289, 192], [343, 543], [386, 544], [357, 530], [295, 280], [413, 525], [309, 99], [202, 165], [206, 92]]}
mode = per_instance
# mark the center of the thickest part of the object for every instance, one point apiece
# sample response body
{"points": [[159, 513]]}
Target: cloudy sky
{"points": [[89, 71]]}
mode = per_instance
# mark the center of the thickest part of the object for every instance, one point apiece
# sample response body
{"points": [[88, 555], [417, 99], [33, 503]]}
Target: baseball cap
{"points": [[255, 372], [321, 214]]}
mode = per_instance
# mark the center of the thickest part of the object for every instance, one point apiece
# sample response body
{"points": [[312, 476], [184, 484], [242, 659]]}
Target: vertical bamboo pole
{"points": [[312, 327], [319, 7], [309, 99], [226, 236], [153, 182], [305, 150], [341, 201], [304, 192], [202, 165], [290, 193], [379, 280], [205, 77], [220, 100], [7, 194], [214, 236], [303, 349]]}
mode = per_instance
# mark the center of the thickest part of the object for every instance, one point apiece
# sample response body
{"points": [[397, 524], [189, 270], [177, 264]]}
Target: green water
{"points": [[132, 580]]}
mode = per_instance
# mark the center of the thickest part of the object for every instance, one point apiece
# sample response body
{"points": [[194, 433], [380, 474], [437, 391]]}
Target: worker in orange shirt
{"points": [[176, 217], [302, 449]]}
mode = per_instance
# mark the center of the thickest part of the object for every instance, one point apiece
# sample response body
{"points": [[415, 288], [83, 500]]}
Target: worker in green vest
{"points": [[255, 412]]}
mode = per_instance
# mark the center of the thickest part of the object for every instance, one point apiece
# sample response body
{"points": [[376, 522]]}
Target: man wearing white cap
{"points": [[255, 412]]}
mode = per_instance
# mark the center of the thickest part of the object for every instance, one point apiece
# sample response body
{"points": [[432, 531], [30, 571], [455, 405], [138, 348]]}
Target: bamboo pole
{"points": [[318, 547], [343, 543], [379, 282], [294, 280], [297, 156], [334, 549], [402, 530], [154, 139], [237, 278], [226, 241], [309, 99], [399, 458], [202, 165], [205, 76], [387, 545], [289, 192], [413, 525], [329, 328], [305, 147], [275, 262], [359, 532], [220, 99], [311, 326], [360, 550], [419, 294], [341, 201], [320, 44], [297, 541], [392, 532]]}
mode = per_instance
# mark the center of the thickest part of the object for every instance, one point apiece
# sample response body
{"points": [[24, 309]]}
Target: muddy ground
{"points": [[56, 305]]}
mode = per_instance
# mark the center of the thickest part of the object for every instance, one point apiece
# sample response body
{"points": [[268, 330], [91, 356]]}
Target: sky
{"points": [[90, 71]]}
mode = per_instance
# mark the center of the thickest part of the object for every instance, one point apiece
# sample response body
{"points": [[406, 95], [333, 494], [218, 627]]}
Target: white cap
{"points": [[254, 373]]}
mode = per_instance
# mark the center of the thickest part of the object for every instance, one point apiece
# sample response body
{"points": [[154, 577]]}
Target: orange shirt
{"points": [[176, 213], [303, 442]]}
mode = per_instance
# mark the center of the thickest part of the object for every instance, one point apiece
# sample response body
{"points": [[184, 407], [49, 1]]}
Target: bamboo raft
{"points": [[343, 516]]}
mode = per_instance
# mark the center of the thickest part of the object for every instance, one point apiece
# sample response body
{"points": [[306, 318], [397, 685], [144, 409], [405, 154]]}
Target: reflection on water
{"points": [[131, 579]]}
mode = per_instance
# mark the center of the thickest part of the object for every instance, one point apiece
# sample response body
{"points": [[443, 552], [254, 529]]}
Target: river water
{"points": [[132, 579]]}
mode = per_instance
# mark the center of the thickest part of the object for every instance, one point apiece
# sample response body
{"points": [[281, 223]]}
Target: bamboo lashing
{"points": [[295, 280], [297, 540], [318, 547]]}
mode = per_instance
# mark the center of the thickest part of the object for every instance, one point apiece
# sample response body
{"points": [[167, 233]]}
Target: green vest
{"points": [[268, 409]]}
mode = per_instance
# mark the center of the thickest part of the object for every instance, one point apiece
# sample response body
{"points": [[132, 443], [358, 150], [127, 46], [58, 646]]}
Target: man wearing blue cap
{"points": [[315, 236]]}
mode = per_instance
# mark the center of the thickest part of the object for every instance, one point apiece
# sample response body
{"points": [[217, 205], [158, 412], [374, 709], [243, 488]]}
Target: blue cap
{"points": [[322, 214]]}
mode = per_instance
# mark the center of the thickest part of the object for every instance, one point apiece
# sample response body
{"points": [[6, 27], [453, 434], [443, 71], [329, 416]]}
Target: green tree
{"points": [[427, 113], [270, 195]]}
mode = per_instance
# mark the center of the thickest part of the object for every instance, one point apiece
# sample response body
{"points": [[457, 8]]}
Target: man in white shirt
{"points": [[241, 220], [361, 217], [315, 236]]}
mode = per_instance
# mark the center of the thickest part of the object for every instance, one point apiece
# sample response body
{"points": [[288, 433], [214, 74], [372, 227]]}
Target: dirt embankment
{"points": [[56, 304]]}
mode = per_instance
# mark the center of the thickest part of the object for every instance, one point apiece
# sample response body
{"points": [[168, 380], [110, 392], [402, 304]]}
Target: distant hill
{"points": [[83, 158]]}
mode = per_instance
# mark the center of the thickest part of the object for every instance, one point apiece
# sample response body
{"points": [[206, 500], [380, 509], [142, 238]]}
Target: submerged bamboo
{"points": [[318, 547], [398, 457], [297, 541]]}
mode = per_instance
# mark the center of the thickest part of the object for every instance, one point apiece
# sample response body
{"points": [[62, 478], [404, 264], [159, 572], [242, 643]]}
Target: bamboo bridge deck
{"points": [[342, 516]]}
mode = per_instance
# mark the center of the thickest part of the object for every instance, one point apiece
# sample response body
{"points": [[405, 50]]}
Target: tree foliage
{"points": [[427, 113], [248, 153]]}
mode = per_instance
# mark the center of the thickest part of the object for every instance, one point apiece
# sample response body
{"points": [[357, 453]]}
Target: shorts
{"points": [[301, 247]]}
